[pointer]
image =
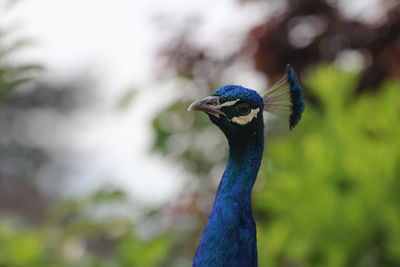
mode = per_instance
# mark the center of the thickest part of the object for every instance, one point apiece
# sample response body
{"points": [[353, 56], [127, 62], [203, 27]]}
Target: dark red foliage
{"points": [[379, 44]]}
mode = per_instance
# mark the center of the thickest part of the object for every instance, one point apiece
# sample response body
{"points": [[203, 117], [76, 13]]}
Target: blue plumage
{"points": [[229, 92], [285, 98], [229, 238], [296, 97]]}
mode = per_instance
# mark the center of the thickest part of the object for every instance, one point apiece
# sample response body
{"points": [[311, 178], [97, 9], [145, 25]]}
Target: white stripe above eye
{"points": [[242, 120], [229, 103]]}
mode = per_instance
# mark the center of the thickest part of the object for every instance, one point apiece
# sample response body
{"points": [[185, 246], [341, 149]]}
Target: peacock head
{"points": [[236, 110]]}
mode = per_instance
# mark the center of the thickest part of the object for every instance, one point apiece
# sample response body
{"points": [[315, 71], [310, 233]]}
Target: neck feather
{"points": [[229, 238], [242, 167]]}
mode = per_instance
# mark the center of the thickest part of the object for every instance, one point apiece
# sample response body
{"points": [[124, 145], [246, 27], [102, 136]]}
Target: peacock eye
{"points": [[243, 108]]}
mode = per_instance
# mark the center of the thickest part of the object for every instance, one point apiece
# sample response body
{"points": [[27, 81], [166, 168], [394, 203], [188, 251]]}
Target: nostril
{"points": [[212, 101]]}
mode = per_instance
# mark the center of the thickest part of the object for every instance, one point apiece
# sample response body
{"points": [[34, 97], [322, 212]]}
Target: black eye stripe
{"points": [[243, 108]]}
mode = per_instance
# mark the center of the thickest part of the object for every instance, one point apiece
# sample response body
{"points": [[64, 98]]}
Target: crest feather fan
{"points": [[285, 98]]}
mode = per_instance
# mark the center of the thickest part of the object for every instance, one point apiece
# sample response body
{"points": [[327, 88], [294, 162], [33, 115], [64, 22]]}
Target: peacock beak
{"points": [[209, 105]]}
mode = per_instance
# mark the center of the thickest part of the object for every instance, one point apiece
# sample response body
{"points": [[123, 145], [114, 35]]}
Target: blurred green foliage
{"points": [[327, 193], [332, 186], [75, 234], [12, 75]]}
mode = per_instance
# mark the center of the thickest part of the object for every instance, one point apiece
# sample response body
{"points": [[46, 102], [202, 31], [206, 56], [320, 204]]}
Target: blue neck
{"points": [[229, 238]]}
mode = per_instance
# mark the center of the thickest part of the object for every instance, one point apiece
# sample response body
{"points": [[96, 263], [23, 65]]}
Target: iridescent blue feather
{"points": [[296, 96], [285, 98]]}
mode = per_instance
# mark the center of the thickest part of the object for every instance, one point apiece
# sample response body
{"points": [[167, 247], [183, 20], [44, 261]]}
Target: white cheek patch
{"points": [[243, 120], [229, 103]]}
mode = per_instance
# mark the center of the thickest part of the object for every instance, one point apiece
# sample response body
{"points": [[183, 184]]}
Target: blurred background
{"points": [[101, 165]]}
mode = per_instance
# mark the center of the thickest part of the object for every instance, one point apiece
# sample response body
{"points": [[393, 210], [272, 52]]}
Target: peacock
{"points": [[229, 237]]}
